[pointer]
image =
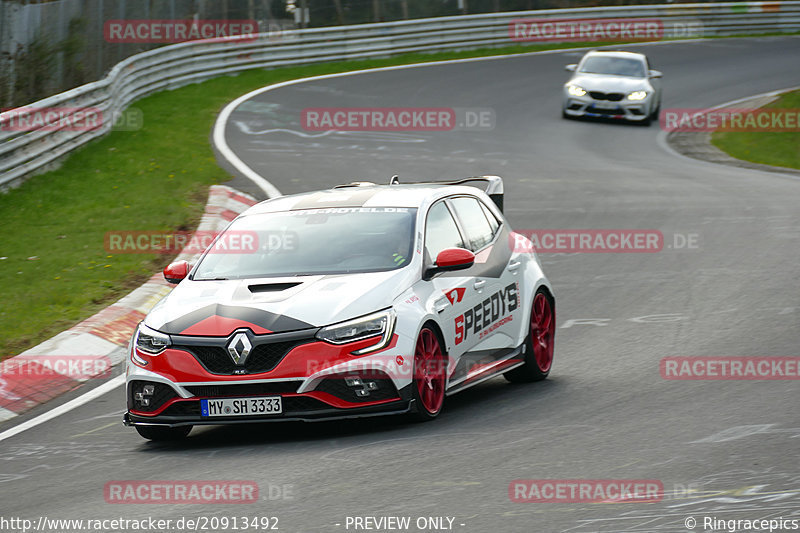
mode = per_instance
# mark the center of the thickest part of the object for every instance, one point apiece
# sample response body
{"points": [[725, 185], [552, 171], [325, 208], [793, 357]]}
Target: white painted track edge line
{"points": [[64, 408]]}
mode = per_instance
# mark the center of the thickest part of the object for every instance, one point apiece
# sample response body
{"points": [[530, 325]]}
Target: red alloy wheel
{"points": [[542, 332], [429, 371]]}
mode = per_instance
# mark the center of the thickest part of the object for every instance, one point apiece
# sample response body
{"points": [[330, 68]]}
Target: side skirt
{"points": [[509, 362]]}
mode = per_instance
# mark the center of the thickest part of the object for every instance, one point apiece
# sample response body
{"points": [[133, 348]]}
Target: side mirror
{"points": [[655, 74], [451, 259], [571, 67], [176, 271]]}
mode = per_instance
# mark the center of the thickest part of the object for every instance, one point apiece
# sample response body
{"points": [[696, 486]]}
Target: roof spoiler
{"points": [[494, 186]]}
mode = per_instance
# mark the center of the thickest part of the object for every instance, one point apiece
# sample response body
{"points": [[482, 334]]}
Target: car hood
{"points": [[274, 305], [610, 84]]}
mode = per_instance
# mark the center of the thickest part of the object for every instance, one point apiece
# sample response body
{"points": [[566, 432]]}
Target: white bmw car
{"points": [[610, 84], [357, 301]]}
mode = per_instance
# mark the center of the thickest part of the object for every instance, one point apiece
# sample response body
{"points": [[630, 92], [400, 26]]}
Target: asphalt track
{"points": [[723, 449]]}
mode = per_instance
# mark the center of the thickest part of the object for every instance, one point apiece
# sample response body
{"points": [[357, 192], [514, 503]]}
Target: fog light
{"points": [[371, 385], [145, 402], [362, 393], [353, 382], [149, 390], [138, 397]]}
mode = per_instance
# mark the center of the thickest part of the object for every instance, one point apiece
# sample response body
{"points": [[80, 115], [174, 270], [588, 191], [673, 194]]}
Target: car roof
{"points": [[617, 53], [364, 195]]}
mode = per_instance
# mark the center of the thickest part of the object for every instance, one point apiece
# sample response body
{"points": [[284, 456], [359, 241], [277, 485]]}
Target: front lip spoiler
{"points": [[621, 116], [314, 416]]}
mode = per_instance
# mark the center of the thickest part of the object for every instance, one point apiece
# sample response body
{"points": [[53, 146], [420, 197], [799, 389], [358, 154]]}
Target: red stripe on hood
{"points": [[220, 326]]}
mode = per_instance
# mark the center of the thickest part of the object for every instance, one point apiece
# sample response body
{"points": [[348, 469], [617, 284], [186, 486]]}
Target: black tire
{"points": [[539, 357], [163, 433], [430, 376]]}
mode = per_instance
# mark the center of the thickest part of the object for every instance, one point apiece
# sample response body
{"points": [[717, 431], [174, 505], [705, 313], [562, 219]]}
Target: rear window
{"points": [[474, 221]]}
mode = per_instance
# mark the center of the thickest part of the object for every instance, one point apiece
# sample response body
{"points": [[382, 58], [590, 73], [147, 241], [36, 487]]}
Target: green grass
{"points": [[780, 149]]}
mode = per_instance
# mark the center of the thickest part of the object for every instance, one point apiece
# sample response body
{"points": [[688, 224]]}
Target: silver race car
{"points": [[616, 85]]}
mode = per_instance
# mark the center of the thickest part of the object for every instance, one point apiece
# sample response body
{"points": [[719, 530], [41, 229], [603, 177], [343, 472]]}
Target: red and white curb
{"points": [[40, 374]]}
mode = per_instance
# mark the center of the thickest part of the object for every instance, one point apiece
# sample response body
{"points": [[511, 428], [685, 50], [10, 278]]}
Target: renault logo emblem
{"points": [[239, 348]]}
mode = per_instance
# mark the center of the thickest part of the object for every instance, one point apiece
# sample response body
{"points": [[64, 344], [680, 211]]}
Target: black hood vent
{"points": [[272, 287]]}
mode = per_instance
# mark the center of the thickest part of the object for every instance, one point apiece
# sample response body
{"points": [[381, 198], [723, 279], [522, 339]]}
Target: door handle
{"points": [[514, 266], [478, 285]]}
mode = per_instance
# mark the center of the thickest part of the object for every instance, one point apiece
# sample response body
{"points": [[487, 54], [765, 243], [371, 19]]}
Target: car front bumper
{"points": [[586, 106], [314, 380], [303, 408]]}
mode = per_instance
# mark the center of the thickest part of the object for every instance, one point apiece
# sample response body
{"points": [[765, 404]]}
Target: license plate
{"points": [[605, 105], [267, 405]]}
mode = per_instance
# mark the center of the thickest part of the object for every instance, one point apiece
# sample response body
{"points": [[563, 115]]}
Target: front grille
{"points": [[244, 389], [601, 111], [263, 357], [161, 394], [612, 97], [339, 388]]}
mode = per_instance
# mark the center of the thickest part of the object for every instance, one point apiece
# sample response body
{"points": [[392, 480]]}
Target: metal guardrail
{"points": [[24, 153]]}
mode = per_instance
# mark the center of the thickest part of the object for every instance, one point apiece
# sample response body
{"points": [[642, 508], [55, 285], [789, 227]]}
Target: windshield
{"points": [[312, 242], [615, 66]]}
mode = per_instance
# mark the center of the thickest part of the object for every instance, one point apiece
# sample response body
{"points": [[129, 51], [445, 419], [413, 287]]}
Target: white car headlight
{"points": [[150, 341], [380, 325], [637, 95], [574, 90]]}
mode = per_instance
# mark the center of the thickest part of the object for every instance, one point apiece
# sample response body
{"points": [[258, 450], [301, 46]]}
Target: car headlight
{"points": [[150, 341], [379, 325], [637, 95], [574, 90]]}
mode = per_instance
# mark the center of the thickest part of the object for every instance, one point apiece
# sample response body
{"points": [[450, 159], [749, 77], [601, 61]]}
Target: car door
{"points": [[490, 323], [448, 292]]}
